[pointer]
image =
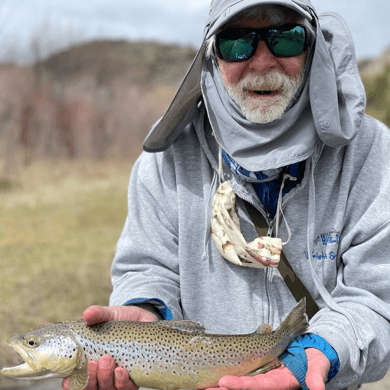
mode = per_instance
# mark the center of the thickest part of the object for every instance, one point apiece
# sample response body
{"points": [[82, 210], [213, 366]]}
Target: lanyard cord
{"points": [[279, 209]]}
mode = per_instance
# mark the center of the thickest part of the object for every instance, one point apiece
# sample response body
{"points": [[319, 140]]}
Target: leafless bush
{"points": [[14, 84], [133, 111], [102, 109], [83, 121]]}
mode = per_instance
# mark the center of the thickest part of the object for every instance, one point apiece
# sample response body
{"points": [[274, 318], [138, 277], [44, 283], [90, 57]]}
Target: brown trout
{"points": [[162, 355]]}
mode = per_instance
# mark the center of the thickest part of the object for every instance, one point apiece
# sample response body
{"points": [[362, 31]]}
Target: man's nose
{"points": [[263, 60]]}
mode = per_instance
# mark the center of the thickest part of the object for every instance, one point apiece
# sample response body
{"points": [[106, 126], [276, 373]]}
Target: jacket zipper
{"points": [[266, 310]]}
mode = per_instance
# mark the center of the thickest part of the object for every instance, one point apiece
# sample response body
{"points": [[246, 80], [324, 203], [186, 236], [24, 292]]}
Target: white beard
{"points": [[263, 108]]}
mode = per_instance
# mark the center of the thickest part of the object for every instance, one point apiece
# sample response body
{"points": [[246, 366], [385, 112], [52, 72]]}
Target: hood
{"points": [[336, 92]]}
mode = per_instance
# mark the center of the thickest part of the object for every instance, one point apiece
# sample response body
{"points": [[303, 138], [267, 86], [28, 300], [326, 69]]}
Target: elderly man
{"points": [[271, 112]]}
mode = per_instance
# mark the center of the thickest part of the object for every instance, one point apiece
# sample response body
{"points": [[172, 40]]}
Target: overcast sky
{"points": [[58, 22]]}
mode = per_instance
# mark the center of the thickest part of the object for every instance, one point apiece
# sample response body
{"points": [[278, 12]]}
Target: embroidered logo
{"points": [[325, 247]]}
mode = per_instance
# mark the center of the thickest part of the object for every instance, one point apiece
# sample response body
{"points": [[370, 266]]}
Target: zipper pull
{"points": [[270, 229]]}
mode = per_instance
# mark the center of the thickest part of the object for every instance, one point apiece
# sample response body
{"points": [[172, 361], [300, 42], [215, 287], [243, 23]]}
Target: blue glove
{"points": [[294, 358]]}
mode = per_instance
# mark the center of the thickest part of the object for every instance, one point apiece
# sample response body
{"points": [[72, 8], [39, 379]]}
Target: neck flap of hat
{"points": [[334, 90]]}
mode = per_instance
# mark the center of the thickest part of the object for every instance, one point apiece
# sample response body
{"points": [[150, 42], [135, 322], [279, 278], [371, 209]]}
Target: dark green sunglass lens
{"points": [[236, 49], [287, 43]]}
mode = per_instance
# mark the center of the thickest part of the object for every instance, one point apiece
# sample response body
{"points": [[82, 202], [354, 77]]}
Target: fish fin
{"points": [[79, 378], [60, 323], [296, 322], [274, 363], [264, 328], [184, 325]]}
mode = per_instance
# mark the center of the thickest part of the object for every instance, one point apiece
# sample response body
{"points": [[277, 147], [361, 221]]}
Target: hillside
{"points": [[99, 99], [95, 100], [147, 63]]}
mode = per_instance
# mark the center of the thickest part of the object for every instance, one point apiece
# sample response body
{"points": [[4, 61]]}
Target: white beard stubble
{"points": [[264, 109]]}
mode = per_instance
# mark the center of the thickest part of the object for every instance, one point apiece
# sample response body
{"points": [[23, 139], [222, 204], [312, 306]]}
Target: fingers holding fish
{"points": [[104, 375], [318, 369], [92, 374], [122, 380], [65, 383], [98, 314], [279, 378]]}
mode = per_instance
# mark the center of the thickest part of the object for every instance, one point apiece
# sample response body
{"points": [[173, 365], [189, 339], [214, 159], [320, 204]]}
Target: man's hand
{"points": [[281, 378], [104, 375]]}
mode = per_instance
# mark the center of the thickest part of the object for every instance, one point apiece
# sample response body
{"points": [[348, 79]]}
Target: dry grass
{"points": [[59, 226]]}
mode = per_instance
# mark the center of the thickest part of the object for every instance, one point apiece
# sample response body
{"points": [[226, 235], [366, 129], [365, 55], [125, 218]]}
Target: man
{"points": [[275, 108]]}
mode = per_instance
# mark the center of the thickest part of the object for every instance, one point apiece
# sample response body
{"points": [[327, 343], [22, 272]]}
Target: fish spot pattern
{"points": [[152, 347], [171, 354]]}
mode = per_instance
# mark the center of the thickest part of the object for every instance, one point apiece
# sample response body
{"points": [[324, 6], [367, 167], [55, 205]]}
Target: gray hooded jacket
{"points": [[339, 214]]}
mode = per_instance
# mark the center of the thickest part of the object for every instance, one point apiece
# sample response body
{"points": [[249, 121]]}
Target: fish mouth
{"points": [[28, 369], [25, 371]]}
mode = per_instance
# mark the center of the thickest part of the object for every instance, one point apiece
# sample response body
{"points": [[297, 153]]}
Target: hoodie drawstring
{"points": [[279, 209], [220, 172], [310, 238], [217, 180]]}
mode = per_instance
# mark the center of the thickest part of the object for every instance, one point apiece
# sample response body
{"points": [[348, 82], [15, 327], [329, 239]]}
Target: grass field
{"points": [[60, 222]]}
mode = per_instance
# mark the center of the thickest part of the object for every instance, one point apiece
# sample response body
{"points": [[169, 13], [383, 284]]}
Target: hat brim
{"points": [[181, 110], [232, 11], [184, 105]]}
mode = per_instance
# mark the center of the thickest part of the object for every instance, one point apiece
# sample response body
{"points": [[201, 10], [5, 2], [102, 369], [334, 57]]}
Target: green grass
{"points": [[378, 95], [58, 231]]}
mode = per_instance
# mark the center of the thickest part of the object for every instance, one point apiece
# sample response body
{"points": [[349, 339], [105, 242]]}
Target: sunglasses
{"points": [[288, 40]]}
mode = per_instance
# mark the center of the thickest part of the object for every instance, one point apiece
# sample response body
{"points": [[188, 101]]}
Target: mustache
{"points": [[264, 110], [269, 81]]}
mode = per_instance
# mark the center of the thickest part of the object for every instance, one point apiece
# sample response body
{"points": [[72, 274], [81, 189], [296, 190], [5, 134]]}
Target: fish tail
{"points": [[296, 322]]}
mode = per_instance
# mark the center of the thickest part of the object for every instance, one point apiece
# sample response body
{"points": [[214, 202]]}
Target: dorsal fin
{"points": [[264, 328], [184, 325]]}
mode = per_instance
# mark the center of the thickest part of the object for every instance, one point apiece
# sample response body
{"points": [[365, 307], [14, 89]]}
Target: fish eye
{"points": [[32, 342]]}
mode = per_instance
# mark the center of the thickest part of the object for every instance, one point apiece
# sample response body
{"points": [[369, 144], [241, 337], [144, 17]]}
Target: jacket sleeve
{"points": [[145, 265], [359, 330]]}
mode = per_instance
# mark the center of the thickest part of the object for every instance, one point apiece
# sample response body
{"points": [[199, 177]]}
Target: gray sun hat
{"points": [[334, 123]]}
